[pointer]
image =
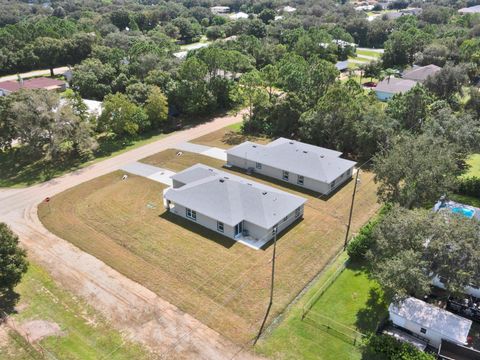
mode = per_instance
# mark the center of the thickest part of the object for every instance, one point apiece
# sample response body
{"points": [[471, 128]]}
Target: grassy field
{"points": [[228, 137], [474, 162], [372, 53], [352, 300], [222, 283], [18, 170], [85, 334]]}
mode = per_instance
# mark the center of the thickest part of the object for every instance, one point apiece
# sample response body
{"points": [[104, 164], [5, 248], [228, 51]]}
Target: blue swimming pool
{"points": [[463, 211]]}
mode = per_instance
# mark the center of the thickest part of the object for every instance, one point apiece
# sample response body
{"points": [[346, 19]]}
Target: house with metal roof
{"points": [[388, 87], [241, 209], [429, 322], [311, 167], [421, 73]]}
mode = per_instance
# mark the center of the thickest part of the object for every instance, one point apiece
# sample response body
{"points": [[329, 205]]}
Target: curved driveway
{"points": [[132, 308]]}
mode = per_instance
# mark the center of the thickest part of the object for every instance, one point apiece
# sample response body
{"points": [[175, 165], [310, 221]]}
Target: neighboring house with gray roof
{"points": [[388, 87], [311, 167], [470, 10], [241, 209], [421, 73]]}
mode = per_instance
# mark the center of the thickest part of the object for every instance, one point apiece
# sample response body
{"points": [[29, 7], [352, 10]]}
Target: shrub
{"points": [[360, 243], [469, 186], [388, 348]]}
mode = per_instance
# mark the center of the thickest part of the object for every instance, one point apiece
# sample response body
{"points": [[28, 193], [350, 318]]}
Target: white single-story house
{"points": [[289, 9], [311, 167], [421, 73], [388, 87], [241, 209], [238, 16], [430, 322], [470, 10], [220, 9]]}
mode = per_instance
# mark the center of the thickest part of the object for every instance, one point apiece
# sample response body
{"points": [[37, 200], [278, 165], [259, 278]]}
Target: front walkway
{"points": [[213, 152], [150, 172]]}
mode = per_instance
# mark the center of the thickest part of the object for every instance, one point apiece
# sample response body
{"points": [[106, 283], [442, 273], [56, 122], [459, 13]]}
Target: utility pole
{"points": [[272, 282], [351, 209]]}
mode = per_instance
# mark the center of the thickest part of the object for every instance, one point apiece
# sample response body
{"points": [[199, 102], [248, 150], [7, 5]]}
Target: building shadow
{"points": [[198, 229]]}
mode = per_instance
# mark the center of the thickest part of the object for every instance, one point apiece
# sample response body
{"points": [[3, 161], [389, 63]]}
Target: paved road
{"points": [[132, 308], [30, 74]]}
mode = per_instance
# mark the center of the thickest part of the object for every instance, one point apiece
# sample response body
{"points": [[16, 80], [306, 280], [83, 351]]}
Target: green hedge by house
{"points": [[388, 348], [469, 186], [360, 243]]}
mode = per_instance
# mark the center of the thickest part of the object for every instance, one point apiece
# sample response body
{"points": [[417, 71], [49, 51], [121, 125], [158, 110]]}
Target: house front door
{"points": [[239, 228]]}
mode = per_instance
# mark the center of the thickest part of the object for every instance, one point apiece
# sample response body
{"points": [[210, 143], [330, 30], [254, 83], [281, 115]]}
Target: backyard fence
{"points": [[334, 328], [309, 304]]}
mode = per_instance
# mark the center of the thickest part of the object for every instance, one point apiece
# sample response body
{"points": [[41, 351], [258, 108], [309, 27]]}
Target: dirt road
{"points": [[46, 72], [133, 309]]}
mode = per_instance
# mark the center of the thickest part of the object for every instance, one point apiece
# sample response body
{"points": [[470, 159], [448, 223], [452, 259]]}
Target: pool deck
{"points": [[450, 205]]}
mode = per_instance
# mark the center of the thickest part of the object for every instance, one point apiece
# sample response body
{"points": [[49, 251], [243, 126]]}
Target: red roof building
{"points": [[7, 87]]}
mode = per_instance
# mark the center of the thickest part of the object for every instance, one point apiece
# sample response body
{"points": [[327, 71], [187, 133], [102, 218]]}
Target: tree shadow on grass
{"points": [[8, 300], [373, 313]]}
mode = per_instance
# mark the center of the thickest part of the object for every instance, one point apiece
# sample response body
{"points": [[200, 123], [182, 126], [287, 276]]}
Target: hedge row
{"points": [[360, 243], [469, 186], [388, 348]]}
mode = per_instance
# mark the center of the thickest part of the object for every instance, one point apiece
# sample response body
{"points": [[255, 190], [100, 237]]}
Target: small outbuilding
{"points": [[470, 10], [429, 322]]}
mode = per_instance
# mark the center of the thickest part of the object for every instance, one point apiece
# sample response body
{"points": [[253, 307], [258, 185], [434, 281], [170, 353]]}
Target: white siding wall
{"points": [[469, 290], [254, 231], [434, 337], [308, 183]]}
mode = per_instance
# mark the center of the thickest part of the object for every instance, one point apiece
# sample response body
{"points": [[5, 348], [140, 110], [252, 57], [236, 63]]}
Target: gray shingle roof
{"points": [[395, 85], [230, 199], [420, 73], [311, 161]]}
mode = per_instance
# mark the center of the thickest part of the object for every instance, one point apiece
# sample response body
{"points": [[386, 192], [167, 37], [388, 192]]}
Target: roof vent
{"points": [[304, 151], [290, 142], [264, 193], [254, 146], [221, 180], [210, 170], [226, 177], [322, 156], [249, 184]]}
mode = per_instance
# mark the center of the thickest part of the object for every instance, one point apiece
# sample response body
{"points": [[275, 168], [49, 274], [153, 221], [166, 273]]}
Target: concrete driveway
{"points": [[150, 172]]}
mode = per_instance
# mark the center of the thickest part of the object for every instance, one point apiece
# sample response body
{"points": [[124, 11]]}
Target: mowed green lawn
{"points": [[474, 162], [222, 283], [352, 300], [85, 334]]}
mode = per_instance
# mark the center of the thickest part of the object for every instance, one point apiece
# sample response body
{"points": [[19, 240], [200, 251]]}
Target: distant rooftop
{"points": [[470, 10], [421, 73], [34, 83], [230, 199], [299, 158], [394, 85]]}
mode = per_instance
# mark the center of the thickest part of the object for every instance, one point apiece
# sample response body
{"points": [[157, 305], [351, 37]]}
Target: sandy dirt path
{"points": [[132, 308], [45, 72]]}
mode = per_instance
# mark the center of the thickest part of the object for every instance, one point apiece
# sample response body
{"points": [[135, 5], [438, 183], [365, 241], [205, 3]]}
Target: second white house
{"points": [[241, 209], [312, 167]]}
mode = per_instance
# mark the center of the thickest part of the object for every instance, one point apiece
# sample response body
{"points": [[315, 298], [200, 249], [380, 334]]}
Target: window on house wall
{"points": [[191, 214], [332, 184], [423, 330], [220, 226], [300, 180], [298, 211], [258, 165], [285, 175], [285, 218]]}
